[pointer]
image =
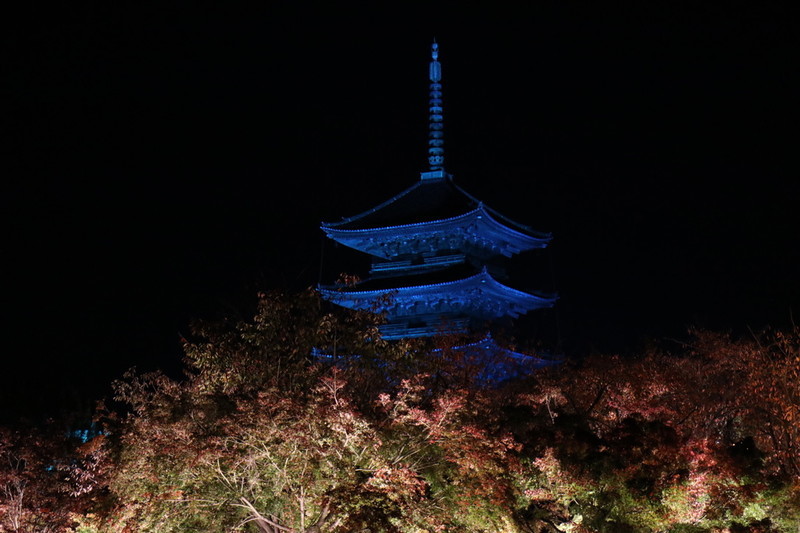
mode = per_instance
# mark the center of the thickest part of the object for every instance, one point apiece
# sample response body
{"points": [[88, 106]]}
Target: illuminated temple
{"points": [[438, 253]]}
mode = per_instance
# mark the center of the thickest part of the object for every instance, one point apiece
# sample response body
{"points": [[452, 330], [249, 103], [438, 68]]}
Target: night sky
{"points": [[166, 165]]}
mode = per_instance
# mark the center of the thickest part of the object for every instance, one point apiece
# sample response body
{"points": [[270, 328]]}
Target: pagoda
{"points": [[438, 253]]}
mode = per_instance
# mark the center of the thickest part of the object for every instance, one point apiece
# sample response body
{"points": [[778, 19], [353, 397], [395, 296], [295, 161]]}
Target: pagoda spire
{"points": [[435, 118]]}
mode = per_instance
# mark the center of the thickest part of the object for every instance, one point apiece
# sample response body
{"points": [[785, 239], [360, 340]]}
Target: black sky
{"points": [[166, 164]]}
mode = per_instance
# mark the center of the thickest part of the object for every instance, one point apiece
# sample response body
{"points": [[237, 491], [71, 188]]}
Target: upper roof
{"points": [[427, 200]]}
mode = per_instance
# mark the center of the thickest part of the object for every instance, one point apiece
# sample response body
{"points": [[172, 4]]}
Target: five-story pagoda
{"points": [[437, 252]]}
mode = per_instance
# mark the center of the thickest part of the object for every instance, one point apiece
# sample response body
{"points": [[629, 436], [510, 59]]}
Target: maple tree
{"points": [[298, 462], [264, 435], [45, 479], [705, 438], [305, 420]]}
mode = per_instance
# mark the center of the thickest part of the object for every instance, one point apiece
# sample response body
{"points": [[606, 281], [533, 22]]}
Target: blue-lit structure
{"points": [[438, 254]]}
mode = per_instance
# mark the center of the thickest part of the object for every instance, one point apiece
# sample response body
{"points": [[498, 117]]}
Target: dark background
{"points": [[165, 164]]}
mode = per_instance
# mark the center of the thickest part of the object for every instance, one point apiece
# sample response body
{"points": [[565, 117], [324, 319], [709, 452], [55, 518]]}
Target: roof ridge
{"points": [[498, 214], [483, 276], [378, 207]]}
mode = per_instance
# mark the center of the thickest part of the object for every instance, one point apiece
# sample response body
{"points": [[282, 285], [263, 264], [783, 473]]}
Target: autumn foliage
{"points": [[704, 439], [304, 420]]}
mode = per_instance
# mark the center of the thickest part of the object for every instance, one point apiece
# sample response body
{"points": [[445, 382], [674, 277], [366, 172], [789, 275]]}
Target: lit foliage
{"points": [[45, 480], [261, 436], [707, 440], [304, 461]]}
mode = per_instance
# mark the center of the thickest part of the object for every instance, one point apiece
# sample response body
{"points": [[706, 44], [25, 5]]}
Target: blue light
{"points": [[436, 228], [476, 230], [436, 116], [479, 297]]}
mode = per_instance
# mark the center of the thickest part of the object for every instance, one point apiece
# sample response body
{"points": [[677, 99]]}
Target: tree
{"points": [[266, 434], [262, 435], [706, 438], [761, 378], [38, 493]]}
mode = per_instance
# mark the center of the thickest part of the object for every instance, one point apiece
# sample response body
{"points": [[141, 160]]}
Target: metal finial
{"points": [[435, 116]]}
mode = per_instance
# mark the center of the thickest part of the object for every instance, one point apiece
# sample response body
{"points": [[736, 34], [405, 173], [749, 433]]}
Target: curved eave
{"points": [[478, 223], [499, 216], [482, 282]]}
